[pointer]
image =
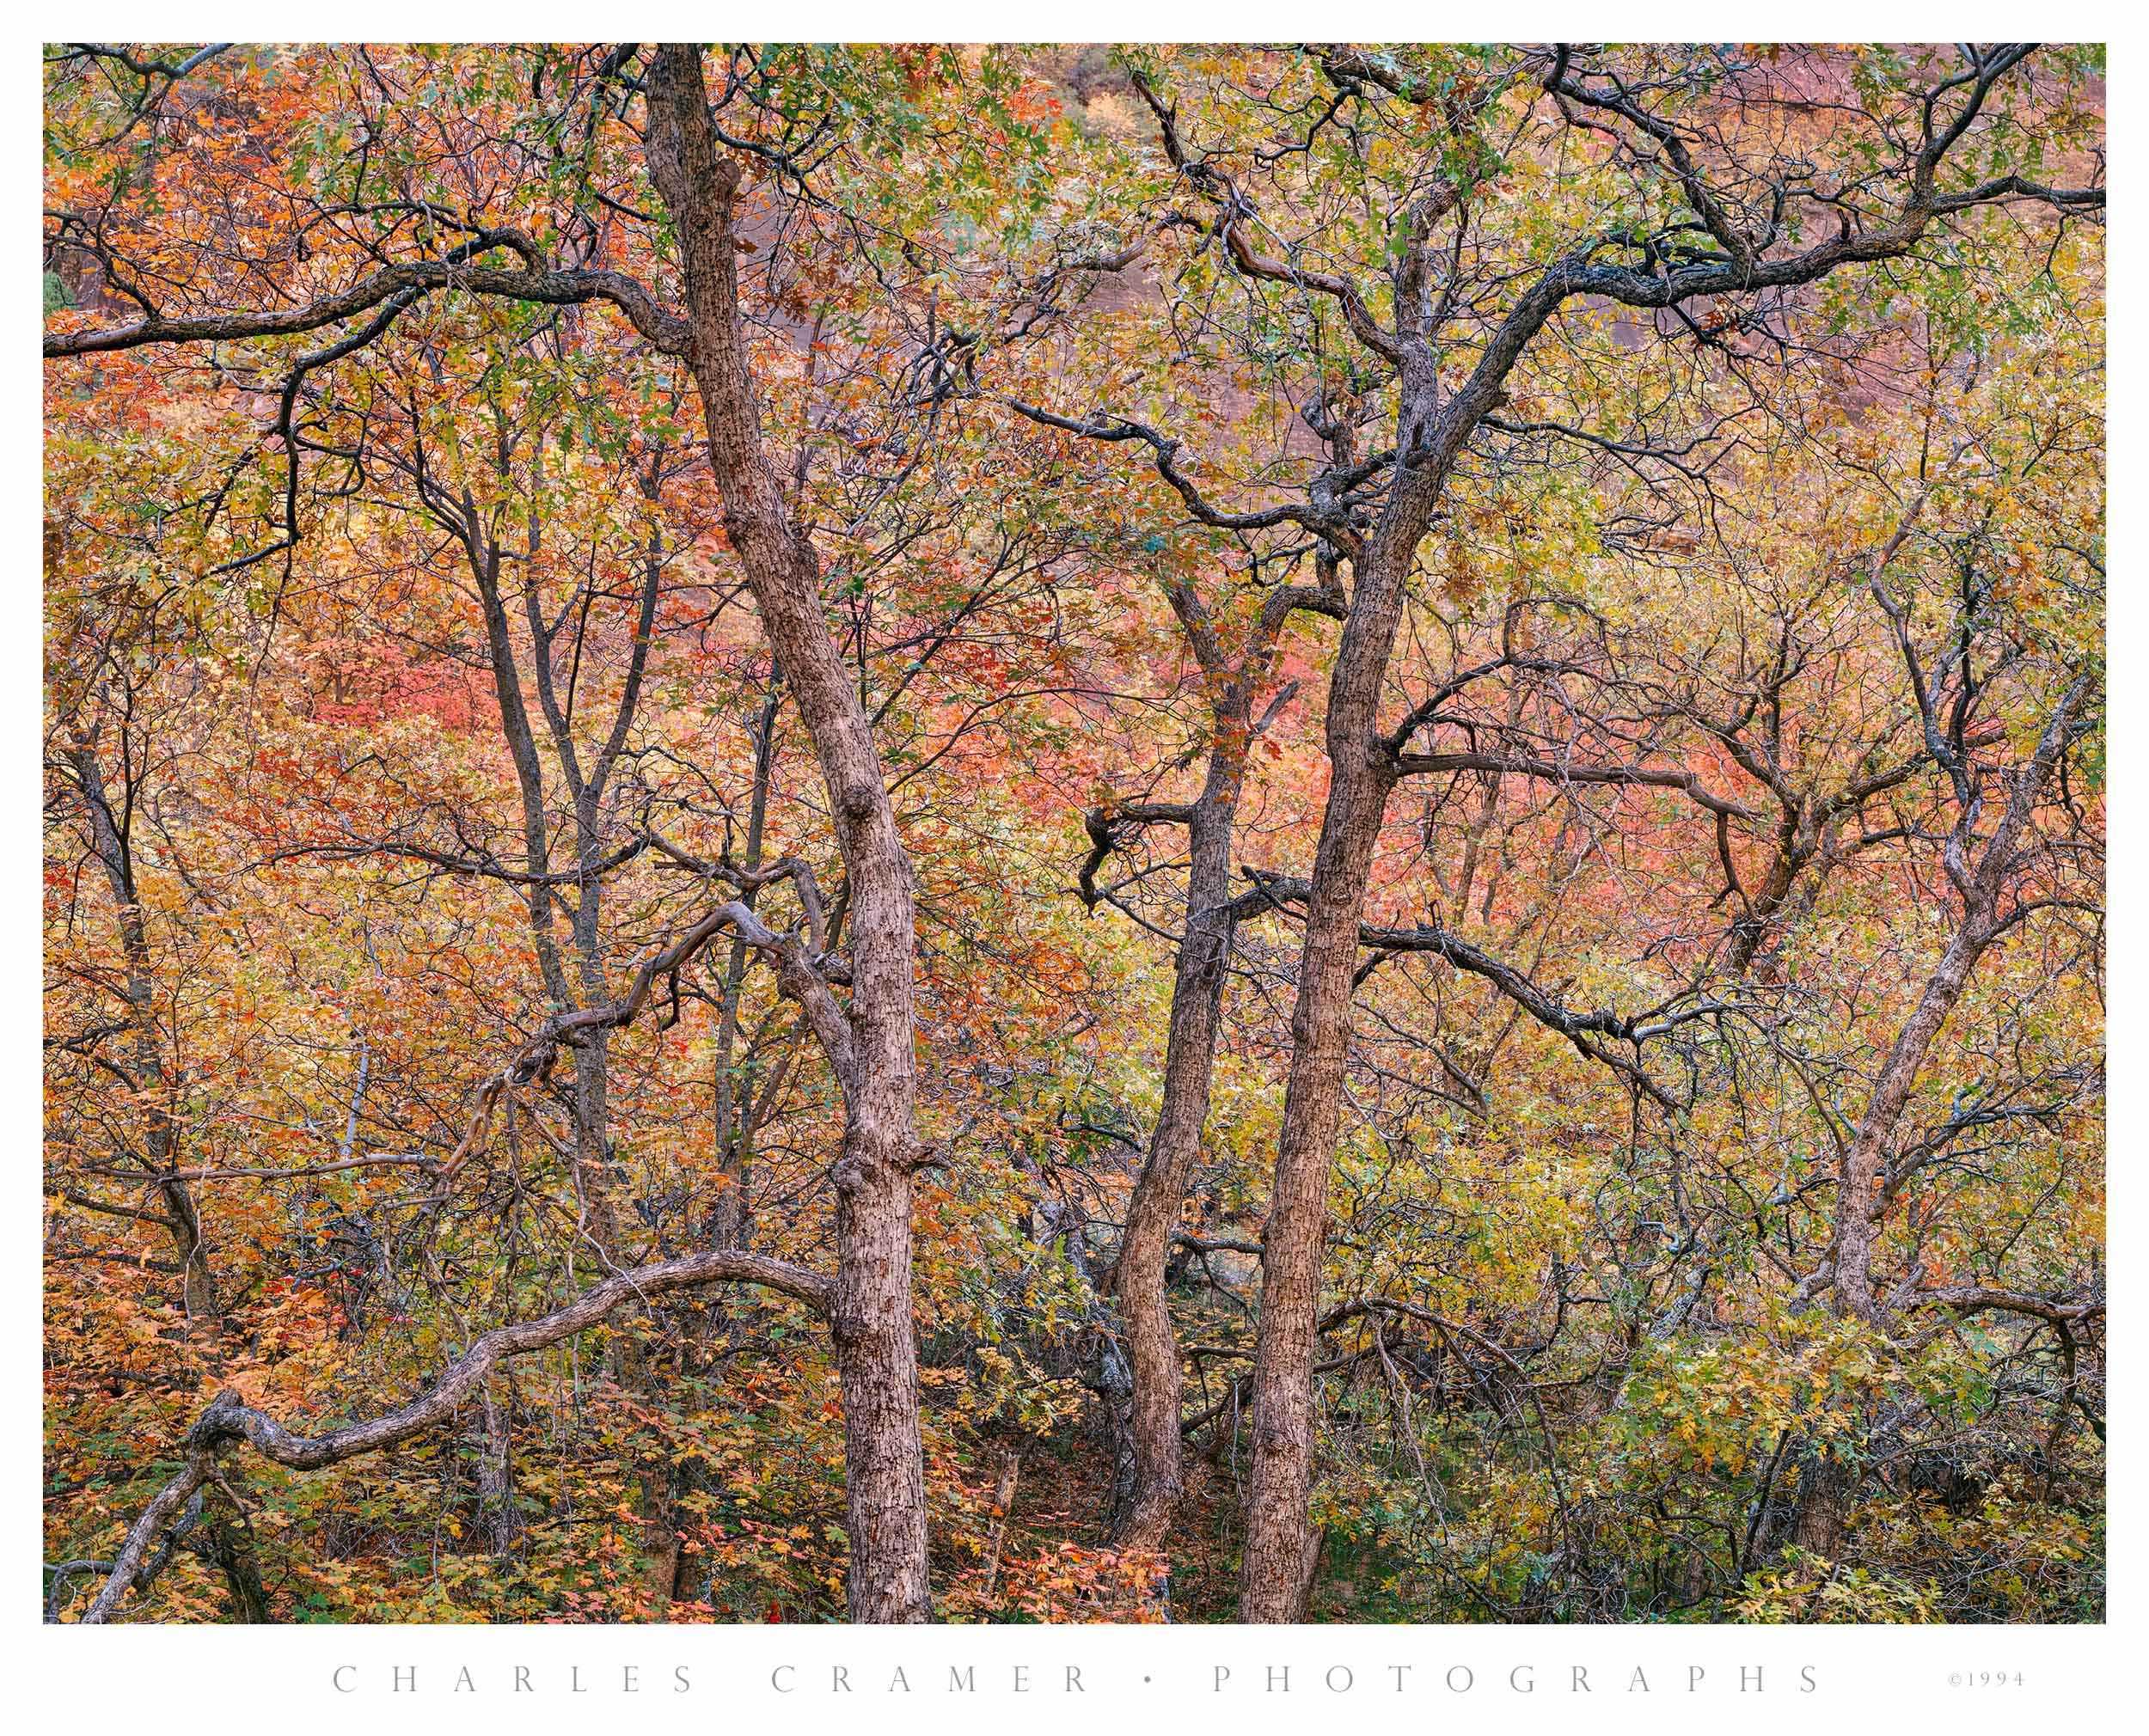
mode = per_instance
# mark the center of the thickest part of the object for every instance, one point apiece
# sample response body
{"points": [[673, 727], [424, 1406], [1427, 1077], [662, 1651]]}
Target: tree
{"points": [[1709, 212], [868, 1044], [707, 843]]}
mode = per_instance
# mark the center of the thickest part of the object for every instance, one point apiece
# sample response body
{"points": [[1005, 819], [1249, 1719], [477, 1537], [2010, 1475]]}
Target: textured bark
{"points": [[230, 1419], [496, 1478], [1823, 1498], [731, 1223], [1865, 1160], [1157, 1380], [1003, 1505], [875, 1346], [229, 1546], [134, 1565], [1432, 429], [1153, 1212], [1276, 1573], [1983, 886], [160, 1140], [1278, 1562]]}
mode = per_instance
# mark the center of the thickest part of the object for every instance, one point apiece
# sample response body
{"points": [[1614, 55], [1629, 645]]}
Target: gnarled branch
{"points": [[229, 1419]]}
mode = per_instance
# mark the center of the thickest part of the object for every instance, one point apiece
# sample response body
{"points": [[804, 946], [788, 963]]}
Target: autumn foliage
{"points": [[456, 894]]}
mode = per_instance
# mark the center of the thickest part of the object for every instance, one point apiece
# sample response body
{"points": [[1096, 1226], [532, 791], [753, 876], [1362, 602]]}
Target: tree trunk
{"points": [[731, 1222], [1153, 1212], [1277, 1573], [876, 1358], [161, 1142], [1823, 1500], [227, 1543], [1865, 1160], [1277, 1569], [875, 1347], [496, 1479], [1156, 1378], [1003, 1506]]}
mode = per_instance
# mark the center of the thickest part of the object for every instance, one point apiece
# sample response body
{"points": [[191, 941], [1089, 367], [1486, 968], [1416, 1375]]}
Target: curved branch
{"points": [[228, 1419], [1973, 1299], [1561, 771], [1274, 892], [656, 322], [1235, 212], [1165, 453]]}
